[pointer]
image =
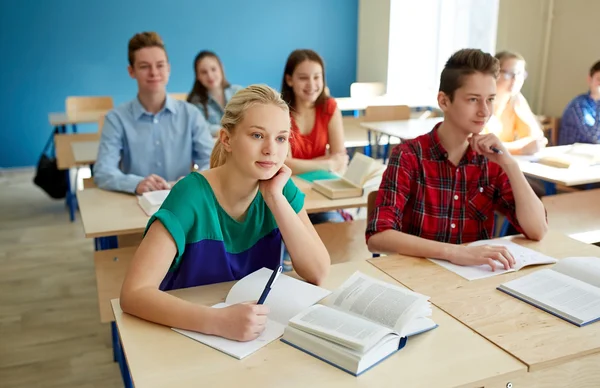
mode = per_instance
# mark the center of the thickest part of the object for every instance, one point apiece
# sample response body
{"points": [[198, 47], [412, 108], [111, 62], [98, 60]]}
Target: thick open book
{"points": [[360, 324], [361, 171], [151, 201], [287, 298], [575, 156], [569, 290], [523, 257]]}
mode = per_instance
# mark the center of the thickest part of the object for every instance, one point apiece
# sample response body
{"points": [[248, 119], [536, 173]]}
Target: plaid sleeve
{"points": [[393, 194], [505, 202]]}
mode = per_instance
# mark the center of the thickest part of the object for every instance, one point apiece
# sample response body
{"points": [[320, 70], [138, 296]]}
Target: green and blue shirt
{"points": [[212, 247]]}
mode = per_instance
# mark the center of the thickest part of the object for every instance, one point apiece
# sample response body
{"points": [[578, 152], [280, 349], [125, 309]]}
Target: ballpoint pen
{"points": [[272, 279]]}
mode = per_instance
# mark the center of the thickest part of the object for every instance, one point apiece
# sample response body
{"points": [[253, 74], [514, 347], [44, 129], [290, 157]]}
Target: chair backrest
{"points": [[88, 183], [101, 123], [367, 89], [387, 113], [179, 96], [87, 104], [62, 146], [550, 127], [371, 202]]}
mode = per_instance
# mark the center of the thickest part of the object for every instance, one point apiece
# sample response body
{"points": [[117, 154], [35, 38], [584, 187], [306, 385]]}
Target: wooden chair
{"points": [[550, 126], [76, 104], [179, 96], [386, 113]]}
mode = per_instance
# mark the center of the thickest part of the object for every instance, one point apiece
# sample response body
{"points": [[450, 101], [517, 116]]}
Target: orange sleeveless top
{"points": [[313, 144]]}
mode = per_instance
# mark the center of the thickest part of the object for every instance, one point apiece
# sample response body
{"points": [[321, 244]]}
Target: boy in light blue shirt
{"points": [[153, 139]]}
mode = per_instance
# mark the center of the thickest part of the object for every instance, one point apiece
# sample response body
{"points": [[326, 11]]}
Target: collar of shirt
{"points": [[438, 152], [139, 111]]}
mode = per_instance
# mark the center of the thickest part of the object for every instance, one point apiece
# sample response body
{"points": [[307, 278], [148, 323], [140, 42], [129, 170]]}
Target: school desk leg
{"points": [[368, 146], [120, 355], [101, 244], [74, 128], [71, 198], [550, 188]]}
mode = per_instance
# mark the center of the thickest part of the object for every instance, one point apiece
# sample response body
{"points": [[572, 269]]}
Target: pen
{"points": [[272, 279], [496, 150]]}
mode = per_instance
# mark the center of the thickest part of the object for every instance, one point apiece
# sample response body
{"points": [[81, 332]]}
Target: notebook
{"points": [[151, 201], [523, 257], [361, 170], [312, 176], [361, 324], [569, 290], [288, 297]]}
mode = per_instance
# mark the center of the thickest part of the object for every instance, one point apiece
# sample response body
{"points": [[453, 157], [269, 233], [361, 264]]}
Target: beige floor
{"points": [[50, 333]]}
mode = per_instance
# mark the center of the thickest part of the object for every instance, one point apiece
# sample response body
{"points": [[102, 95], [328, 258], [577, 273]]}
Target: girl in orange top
{"points": [[513, 121], [316, 120]]}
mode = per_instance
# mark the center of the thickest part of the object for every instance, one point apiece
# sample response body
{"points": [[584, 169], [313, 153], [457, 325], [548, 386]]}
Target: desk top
{"points": [[403, 129], [63, 118], [361, 103], [575, 214], [565, 176], [158, 356], [106, 213], [85, 152], [535, 337]]}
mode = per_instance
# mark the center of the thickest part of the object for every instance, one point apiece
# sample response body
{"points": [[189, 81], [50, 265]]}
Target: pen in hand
{"points": [[272, 279], [496, 150]]}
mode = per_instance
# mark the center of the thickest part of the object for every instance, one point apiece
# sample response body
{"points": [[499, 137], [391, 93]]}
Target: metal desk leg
{"points": [[550, 188]]}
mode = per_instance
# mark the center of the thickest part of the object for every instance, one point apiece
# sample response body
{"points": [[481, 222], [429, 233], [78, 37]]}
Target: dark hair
{"points": [[199, 91], [143, 40], [595, 68], [466, 62], [294, 59]]}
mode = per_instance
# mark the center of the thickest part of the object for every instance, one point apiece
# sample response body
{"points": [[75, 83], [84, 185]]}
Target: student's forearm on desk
{"points": [[157, 306], [393, 241], [309, 256], [529, 209], [116, 180], [518, 147]]}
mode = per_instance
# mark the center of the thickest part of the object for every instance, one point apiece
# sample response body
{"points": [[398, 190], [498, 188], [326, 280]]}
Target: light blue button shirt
{"points": [[215, 111], [135, 144]]}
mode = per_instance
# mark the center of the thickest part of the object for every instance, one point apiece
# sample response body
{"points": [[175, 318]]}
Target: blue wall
{"points": [[53, 49]]}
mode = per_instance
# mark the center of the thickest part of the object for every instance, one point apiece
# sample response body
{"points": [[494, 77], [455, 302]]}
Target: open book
{"points": [[523, 258], [569, 290], [151, 201], [287, 298], [360, 324], [361, 170], [576, 155]]}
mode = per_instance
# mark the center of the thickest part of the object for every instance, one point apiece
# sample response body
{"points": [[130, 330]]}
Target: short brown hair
{"points": [[595, 68], [296, 58], [143, 40], [466, 62]]}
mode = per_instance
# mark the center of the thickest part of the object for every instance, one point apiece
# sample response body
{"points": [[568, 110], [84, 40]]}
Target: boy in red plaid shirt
{"points": [[441, 189]]}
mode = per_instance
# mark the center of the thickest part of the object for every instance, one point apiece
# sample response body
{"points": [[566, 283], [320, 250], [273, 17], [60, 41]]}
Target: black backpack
{"points": [[48, 177]]}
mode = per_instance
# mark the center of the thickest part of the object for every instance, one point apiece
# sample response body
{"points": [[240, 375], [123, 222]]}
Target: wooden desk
{"points": [[575, 214], [62, 118], [361, 103], [106, 213], [560, 353], [403, 129], [85, 152], [563, 176], [449, 356]]}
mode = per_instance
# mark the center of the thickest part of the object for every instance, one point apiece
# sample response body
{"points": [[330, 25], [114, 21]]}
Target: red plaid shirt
{"points": [[422, 193]]}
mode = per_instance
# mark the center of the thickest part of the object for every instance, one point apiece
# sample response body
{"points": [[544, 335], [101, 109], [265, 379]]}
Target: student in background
{"points": [[153, 139], [513, 121], [224, 223], [316, 121], [441, 189], [211, 90], [580, 122]]}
